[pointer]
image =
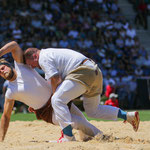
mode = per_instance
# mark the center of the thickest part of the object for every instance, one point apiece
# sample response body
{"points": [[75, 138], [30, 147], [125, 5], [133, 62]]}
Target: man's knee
{"points": [[56, 101]]}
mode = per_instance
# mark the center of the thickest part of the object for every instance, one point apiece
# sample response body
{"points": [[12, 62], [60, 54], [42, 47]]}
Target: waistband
{"points": [[84, 61]]}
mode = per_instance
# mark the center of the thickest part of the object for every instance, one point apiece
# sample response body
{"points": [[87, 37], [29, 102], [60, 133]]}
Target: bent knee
{"points": [[57, 101]]}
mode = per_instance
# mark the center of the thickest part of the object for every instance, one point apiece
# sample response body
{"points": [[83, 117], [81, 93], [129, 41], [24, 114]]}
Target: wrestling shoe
{"points": [[64, 138], [134, 119]]}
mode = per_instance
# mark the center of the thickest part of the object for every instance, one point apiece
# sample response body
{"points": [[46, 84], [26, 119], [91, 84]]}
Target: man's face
{"points": [[32, 62], [5, 72], [113, 98]]}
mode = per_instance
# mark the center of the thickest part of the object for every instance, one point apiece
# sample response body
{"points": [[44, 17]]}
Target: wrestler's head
{"points": [[7, 71], [31, 56]]}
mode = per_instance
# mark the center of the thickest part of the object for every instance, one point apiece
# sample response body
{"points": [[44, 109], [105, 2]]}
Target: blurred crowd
{"points": [[142, 7], [95, 28]]}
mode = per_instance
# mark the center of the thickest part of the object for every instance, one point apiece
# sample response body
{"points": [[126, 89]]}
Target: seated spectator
{"points": [[112, 101], [122, 33], [113, 72], [48, 16], [142, 51], [88, 43], [73, 33], [129, 42], [106, 62], [17, 33], [147, 61], [36, 22], [13, 22], [119, 42], [36, 5], [54, 42], [140, 60], [138, 72], [131, 32], [64, 42]]}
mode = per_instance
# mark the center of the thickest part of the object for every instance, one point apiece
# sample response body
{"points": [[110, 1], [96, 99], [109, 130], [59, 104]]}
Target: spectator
{"points": [[73, 33], [122, 91], [131, 32], [112, 101], [48, 16], [138, 72], [17, 33], [36, 5], [129, 42], [54, 42], [64, 42], [110, 88], [106, 62], [142, 13], [132, 85], [36, 22], [120, 42]]}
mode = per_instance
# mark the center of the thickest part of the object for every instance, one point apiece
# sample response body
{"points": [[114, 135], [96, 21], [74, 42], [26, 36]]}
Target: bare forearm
{"points": [[15, 49], [8, 48], [55, 81], [4, 127], [54, 86]]}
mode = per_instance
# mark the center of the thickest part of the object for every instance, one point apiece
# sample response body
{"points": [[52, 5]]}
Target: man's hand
{"points": [[30, 109], [55, 81]]}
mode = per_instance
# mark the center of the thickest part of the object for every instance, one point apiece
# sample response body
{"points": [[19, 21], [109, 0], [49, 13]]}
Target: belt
{"points": [[84, 61], [96, 71]]}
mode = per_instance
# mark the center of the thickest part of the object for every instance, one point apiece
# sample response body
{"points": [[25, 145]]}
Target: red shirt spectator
{"points": [[109, 89], [112, 101]]}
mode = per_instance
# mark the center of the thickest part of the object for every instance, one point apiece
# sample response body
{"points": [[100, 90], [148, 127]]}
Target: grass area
{"points": [[144, 116], [22, 117]]}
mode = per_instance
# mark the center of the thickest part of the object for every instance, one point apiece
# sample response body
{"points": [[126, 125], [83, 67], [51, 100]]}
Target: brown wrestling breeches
{"points": [[45, 113]]}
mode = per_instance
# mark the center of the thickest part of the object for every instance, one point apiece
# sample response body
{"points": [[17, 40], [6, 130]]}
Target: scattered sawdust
{"points": [[35, 136]]}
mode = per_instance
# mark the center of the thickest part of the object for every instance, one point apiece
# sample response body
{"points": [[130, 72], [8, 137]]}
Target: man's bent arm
{"points": [[55, 81], [15, 49], [8, 106]]}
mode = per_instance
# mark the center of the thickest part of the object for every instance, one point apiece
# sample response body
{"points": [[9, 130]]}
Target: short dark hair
{"points": [[28, 54]]}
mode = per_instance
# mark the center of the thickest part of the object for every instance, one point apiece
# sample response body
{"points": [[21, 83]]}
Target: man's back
{"points": [[59, 61]]}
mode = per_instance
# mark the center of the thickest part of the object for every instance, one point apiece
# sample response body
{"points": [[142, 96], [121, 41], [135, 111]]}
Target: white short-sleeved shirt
{"points": [[59, 61], [29, 87]]}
